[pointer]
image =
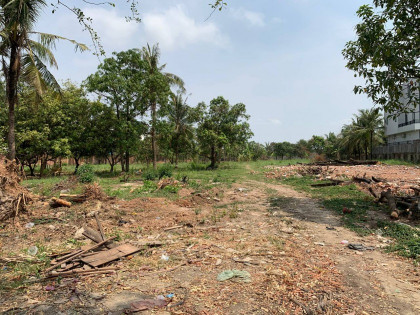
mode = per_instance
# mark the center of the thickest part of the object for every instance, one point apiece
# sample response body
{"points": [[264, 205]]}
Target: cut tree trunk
{"points": [[153, 134]]}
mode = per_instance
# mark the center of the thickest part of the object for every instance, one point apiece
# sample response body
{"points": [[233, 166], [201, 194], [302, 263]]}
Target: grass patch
{"points": [[407, 239]]}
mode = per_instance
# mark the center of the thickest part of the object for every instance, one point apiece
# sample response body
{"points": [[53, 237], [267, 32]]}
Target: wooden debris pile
{"points": [[90, 259], [399, 188], [350, 162], [91, 192], [13, 197]]}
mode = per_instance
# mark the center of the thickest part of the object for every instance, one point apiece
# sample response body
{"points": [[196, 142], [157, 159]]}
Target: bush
{"points": [[197, 166], [165, 170], [85, 173], [149, 174]]}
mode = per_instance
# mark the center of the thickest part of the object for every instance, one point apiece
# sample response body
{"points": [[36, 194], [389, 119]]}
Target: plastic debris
{"points": [[170, 295], [164, 257], [29, 225], [360, 247], [33, 250], [344, 242], [238, 275]]}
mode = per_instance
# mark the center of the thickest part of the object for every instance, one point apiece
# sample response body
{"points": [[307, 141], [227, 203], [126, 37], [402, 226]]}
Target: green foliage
{"points": [[407, 238], [197, 166], [148, 186], [386, 52], [150, 174], [165, 170], [221, 127], [118, 81], [85, 173]]}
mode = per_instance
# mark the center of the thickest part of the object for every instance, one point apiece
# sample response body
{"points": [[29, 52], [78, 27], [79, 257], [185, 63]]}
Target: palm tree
{"points": [[151, 56], [363, 132], [24, 59], [180, 115], [368, 124]]}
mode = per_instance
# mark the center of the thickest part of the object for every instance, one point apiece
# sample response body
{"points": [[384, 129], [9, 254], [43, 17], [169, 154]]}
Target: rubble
{"points": [[396, 185]]}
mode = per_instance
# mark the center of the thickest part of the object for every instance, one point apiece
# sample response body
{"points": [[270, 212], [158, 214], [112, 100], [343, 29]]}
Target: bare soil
{"points": [[278, 235]]}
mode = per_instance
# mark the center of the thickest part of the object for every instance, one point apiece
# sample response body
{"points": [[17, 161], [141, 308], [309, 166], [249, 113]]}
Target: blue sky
{"points": [[281, 58]]}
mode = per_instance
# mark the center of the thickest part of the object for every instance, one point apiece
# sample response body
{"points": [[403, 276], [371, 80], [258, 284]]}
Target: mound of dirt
{"points": [[13, 196]]}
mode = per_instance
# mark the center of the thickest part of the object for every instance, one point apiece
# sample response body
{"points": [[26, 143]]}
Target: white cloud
{"points": [[174, 28], [254, 18], [113, 29]]}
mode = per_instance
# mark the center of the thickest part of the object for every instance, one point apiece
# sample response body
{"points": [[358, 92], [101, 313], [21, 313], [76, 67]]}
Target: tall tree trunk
{"points": [[44, 161], [371, 145], [31, 169], [153, 134], [213, 158], [127, 161], [122, 161], [12, 78], [176, 154], [76, 160]]}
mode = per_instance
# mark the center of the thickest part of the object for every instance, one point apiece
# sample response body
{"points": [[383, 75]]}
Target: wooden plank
{"points": [[110, 255], [99, 226], [79, 254]]}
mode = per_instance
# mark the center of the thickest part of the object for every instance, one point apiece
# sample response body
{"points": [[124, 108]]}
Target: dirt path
{"points": [[276, 234], [388, 282]]}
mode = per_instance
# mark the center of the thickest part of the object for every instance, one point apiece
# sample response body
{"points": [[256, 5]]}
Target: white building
{"points": [[402, 132], [405, 128]]}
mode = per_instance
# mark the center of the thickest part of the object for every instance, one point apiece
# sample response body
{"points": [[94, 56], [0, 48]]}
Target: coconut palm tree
{"points": [[181, 117], [151, 56], [24, 59], [364, 131]]}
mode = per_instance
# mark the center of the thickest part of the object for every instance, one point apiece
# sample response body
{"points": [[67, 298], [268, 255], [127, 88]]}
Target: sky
{"points": [[281, 58]]}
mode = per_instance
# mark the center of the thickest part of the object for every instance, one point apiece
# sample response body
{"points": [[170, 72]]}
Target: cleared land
{"points": [[286, 234]]}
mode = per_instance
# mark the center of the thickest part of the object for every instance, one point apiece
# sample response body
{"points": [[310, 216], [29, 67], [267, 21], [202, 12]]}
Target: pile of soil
{"points": [[13, 197]]}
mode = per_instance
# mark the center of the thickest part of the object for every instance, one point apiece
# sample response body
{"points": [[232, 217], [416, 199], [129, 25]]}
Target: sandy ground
{"points": [[296, 264]]}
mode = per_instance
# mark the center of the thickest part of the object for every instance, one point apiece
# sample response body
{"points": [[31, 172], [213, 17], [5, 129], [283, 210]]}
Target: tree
{"points": [[317, 144], [157, 89], [181, 116], [24, 58], [119, 82], [363, 133], [302, 149], [257, 151], [220, 127], [41, 129], [386, 53], [79, 127]]}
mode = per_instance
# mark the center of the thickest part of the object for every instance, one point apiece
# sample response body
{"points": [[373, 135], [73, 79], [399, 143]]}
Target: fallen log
{"points": [[361, 180], [56, 202], [389, 197], [74, 198], [332, 183], [373, 193]]}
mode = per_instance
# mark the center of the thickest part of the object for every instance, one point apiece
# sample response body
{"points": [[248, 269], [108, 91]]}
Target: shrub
{"points": [[85, 173], [149, 174], [165, 171], [197, 166]]}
